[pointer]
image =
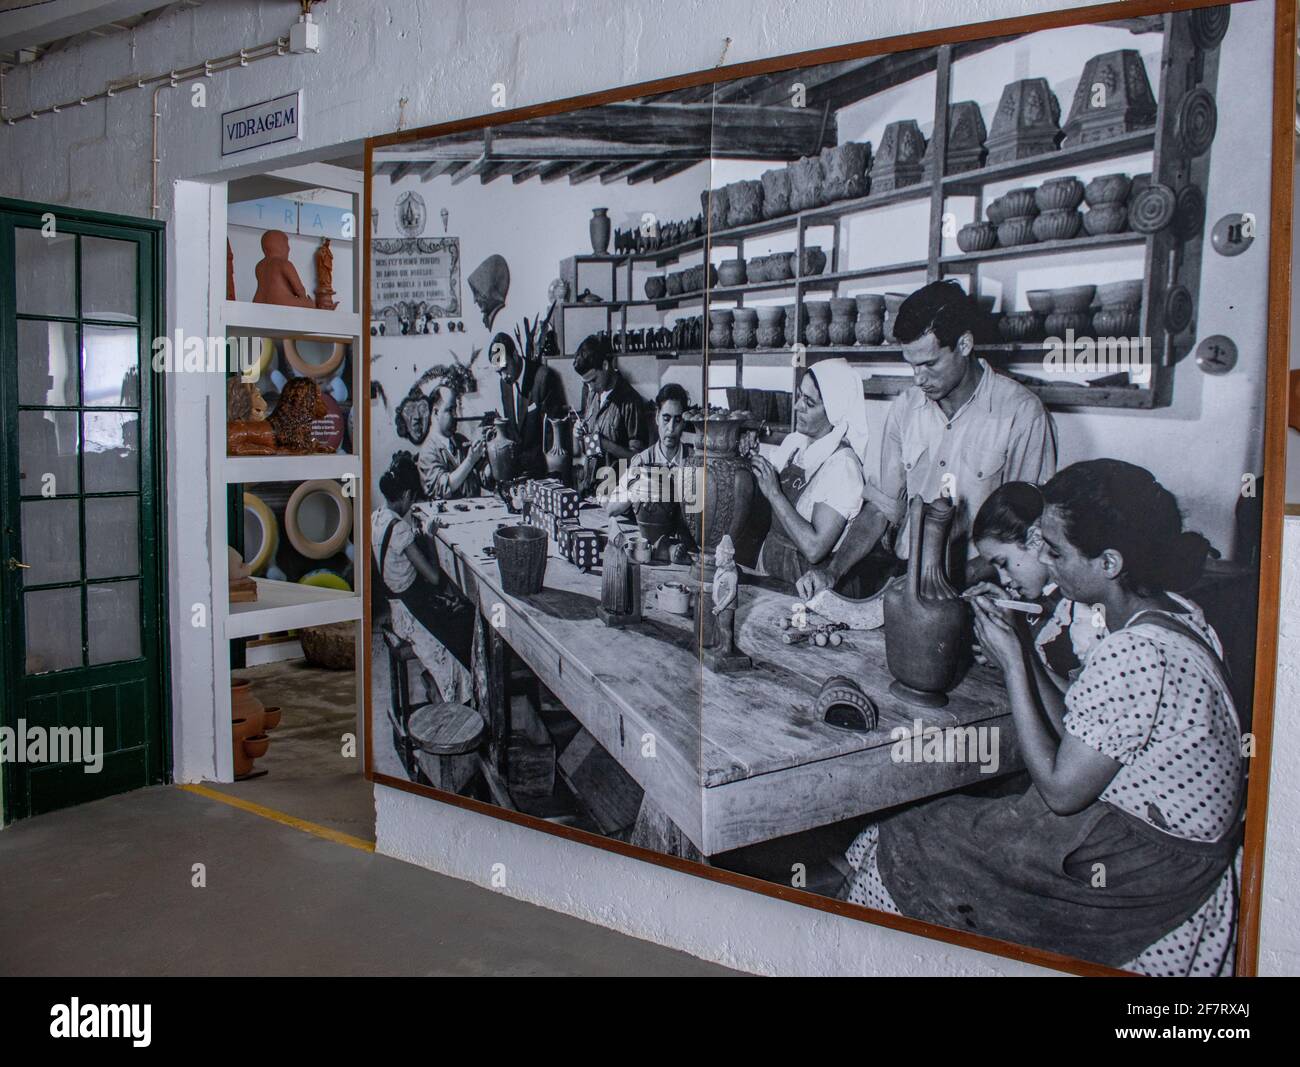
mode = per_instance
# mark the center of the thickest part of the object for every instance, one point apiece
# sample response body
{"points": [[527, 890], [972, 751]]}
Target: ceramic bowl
{"points": [[1106, 218], [1116, 321], [1039, 300], [1107, 189], [1059, 194], [1057, 225], [1020, 326], [996, 211], [1020, 202], [977, 237], [1059, 322], [656, 287], [1073, 298], [732, 272], [870, 305], [1120, 294], [1017, 230]]}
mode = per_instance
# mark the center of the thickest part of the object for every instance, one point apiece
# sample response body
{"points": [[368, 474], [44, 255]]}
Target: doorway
{"points": [[82, 572]]}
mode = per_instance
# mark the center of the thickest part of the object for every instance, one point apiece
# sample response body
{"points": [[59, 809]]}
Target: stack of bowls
{"points": [[1120, 314], [1070, 311], [1107, 198], [1013, 213], [1058, 200]]}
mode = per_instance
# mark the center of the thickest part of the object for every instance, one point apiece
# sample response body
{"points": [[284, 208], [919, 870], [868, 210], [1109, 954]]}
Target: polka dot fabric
{"points": [[1149, 699]]}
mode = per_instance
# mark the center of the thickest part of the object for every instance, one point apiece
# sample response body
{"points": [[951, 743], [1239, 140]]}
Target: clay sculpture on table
{"points": [[925, 617], [300, 404], [277, 278]]}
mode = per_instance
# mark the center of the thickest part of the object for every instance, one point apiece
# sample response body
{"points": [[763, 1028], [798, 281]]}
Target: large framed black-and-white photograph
{"points": [[855, 475]]}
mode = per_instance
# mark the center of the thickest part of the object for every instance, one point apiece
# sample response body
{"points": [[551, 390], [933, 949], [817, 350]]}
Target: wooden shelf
{"points": [[272, 320], [1047, 248], [289, 606], [967, 183], [245, 469], [1052, 394]]}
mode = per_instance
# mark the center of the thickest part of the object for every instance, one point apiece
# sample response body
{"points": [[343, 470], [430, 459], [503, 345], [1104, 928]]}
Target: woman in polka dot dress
{"points": [[1121, 850]]}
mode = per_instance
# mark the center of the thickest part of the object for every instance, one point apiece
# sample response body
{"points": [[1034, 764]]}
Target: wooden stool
{"points": [[400, 654], [446, 738]]}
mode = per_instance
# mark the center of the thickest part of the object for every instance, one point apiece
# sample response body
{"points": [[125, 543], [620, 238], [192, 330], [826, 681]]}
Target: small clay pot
{"points": [[893, 301], [674, 283], [1073, 298], [1020, 202], [1116, 322], [521, 559], [844, 316], [1120, 294], [1016, 230], [795, 319], [1020, 326], [744, 202], [1057, 225], [744, 327], [819, 323], [977, 237], [656, 287], [1059, 194], [776, 192], [272, 719], [1039, 300], [771, 326], [720, 320], [779, 267], [255, 747], [996, 210], [756, 269], [869, 329], [1106, 218], [1058, 322], [812, 262], [731, 272], [245, 705], [1107, 189]]}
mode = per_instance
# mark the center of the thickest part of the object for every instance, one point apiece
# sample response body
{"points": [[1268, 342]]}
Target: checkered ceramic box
{"points": [[565, 538], [586, 548], [566, 503]]}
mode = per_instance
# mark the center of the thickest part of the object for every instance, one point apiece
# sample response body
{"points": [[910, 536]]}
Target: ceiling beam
{"points": [[586, 171], [555, 171], [614, 171]]}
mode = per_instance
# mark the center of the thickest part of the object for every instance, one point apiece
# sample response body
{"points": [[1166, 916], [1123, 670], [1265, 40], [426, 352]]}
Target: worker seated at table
{"points": [[612, 424], [666, 454], [531, 393], [426, 609], [448, 462], [812, 484], [959, 431], [1135, 772]]}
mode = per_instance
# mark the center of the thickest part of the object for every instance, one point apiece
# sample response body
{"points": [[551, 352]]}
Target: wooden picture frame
{"points": [[1165, 272]]}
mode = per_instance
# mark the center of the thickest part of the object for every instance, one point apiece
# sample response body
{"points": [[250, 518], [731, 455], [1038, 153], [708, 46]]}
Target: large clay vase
{"points": [[245, 705], [599, 229], [720, 486], [502, 454], [925, 617], [844, 317]]}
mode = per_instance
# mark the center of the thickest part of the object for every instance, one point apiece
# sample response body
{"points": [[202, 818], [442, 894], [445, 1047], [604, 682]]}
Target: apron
{"points": [[1011, 868], [767, 542]]}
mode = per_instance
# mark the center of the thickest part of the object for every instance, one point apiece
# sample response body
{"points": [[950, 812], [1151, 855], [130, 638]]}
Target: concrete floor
{"points": [[105, 890]]}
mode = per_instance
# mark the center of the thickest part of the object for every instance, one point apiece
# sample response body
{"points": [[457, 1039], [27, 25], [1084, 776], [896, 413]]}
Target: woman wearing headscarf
{"points": [[813, 482]]}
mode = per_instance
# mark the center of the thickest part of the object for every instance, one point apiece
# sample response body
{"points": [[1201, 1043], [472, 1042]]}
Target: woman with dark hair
{"points": [[1122, 848]]}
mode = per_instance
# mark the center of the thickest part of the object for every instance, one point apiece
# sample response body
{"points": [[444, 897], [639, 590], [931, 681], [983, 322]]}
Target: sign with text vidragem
{"points": [[265, 123]]}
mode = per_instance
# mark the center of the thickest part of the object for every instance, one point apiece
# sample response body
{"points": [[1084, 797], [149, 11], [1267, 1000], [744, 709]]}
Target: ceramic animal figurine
{"points": [[277, 278], [300, 404], [247, 431]]}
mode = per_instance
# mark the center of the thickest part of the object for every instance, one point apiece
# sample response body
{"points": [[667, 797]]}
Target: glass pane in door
{"points": [[53, 624], [108, 279], [113, 621], [47, 453], [51, 541], [47, 363], [111, 463], [110, 366], [45, 275], [112, 536]]}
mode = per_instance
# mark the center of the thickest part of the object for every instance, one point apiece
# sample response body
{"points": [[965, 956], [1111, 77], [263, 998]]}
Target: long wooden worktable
{"points": [[730, 759]]}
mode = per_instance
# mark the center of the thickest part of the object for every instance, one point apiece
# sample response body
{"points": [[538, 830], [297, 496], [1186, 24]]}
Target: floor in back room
{"points": [[107, 889], [307, 774]]}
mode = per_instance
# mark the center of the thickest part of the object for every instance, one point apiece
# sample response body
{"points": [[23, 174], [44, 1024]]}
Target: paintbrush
{"points": [[1028, 607]]}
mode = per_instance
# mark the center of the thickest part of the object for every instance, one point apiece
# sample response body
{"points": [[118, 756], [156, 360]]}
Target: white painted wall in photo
{"points": [[424, 63]]}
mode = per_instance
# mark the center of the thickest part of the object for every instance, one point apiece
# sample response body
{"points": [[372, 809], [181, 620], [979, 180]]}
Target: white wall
{"points": [[442, 60]]}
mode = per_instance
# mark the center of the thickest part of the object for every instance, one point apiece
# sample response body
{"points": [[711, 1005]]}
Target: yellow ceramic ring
{"points": [[310, 548], [307, 369], [325, 579], [260, 551]]}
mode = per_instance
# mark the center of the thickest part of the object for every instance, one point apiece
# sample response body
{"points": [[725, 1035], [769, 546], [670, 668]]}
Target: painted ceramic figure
{"points": [[726, 592], [277, 278], [325, 276]]}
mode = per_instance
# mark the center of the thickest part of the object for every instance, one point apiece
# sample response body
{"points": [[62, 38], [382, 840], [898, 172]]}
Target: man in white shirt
{"points": [[667, 453]]}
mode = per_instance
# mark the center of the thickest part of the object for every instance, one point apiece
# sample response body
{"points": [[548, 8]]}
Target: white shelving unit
{"points": [[283, 605]]}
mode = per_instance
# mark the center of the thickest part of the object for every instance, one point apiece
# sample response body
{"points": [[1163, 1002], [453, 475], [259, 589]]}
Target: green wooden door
{"points": [[81, 549]]}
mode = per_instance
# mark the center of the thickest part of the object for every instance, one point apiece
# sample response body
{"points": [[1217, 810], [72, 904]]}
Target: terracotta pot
{"points": [[245, 705], [656, 287], [656, 519], [255, 747], [1057, 225], [1107, 189], [756, 269], [893, 301], [723, 483], [996, 211], [720, 320], [239, 731], [977, 237], [598, 227], [744, 202], [844, 317], [869, 329], [744, 325], [272, 719], [819, 323], [1059, 194], [806, 183], [675, 283], [779, 267], [771, 326], [925, 618], [776, 192], [732, 272], [521, 559], [1116, 321], [1106, 218], [1016, 230]]}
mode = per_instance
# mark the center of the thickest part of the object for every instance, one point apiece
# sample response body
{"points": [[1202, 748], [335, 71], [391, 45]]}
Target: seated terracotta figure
{"points": [[277, 278]]}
